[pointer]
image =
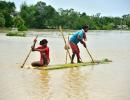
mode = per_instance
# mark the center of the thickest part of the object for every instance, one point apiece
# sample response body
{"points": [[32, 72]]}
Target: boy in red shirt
{"points": [[44, 53]]}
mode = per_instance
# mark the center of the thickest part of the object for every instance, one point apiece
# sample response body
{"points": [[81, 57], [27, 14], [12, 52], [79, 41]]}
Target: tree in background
{"points": [[45, 16], [27, 13], [68, 18], [2, 20], [19, 23], [41, 16], [126, 20], [7, 9]]}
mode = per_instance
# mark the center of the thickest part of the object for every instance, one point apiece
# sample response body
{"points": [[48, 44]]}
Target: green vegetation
{"points": [[16, 33], [19, 23], [42, 16], [63, 66]]}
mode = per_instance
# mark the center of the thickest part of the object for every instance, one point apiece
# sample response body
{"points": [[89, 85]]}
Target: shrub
{"points": [[22, 28], [16, 33]]}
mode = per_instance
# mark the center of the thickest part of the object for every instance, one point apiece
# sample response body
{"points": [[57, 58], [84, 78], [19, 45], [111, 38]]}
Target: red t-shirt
{"points": [[46, 52]]}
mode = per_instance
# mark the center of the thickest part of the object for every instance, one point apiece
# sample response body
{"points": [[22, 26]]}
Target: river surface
{"points": [[99, 82]]}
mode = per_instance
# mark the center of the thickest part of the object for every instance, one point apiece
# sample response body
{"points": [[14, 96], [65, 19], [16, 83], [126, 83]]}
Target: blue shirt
{"points": [[74, 37]]}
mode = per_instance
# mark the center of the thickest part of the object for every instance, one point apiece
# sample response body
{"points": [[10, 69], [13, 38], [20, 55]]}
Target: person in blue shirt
{"points": [[79, 36]]}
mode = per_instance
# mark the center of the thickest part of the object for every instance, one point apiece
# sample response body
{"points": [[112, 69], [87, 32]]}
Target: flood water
{"points": [[99, 82]]}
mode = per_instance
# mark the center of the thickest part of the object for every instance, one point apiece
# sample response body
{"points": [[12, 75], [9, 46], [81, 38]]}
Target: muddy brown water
{"points": [[99, 82]]}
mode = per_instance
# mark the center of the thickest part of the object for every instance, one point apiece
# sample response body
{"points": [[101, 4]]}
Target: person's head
{"points": [[43, 42], [85, 28]]}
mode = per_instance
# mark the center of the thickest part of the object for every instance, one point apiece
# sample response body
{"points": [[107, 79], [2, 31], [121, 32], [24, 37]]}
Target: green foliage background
{"points": [[42, 16]]}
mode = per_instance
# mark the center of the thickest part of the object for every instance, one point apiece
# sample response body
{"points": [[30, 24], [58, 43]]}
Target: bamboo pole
{"points": [[65, 41], [29, 53], [89, 54]]}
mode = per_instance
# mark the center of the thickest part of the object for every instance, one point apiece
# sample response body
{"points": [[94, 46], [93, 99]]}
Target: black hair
{"points": [[44, 41], [85, 26]]}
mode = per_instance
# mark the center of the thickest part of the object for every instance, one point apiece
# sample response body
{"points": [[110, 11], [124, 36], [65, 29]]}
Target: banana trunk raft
{"points": [[63, 66]]}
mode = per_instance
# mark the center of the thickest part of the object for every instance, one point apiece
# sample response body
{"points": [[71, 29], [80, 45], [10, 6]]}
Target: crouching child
{"points": [[43, 49]]}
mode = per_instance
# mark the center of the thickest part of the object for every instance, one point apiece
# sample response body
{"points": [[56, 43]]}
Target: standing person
{"points": [[79, 36], [44, 53]]}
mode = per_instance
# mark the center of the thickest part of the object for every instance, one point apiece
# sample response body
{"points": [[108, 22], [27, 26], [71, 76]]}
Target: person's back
{"points": [[74, 38], [44, 54]]}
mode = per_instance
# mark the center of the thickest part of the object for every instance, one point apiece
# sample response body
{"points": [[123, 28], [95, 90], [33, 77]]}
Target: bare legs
{"points": [[44, 62]]}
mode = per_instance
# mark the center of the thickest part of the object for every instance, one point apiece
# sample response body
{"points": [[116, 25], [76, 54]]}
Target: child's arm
{"points": [[39, 49], [33, 47]]}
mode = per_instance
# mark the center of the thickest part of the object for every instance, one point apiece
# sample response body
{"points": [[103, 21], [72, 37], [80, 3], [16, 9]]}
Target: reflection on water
{"points": [[75, 86], [71, 84], [45, 85], [100, 82]]}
